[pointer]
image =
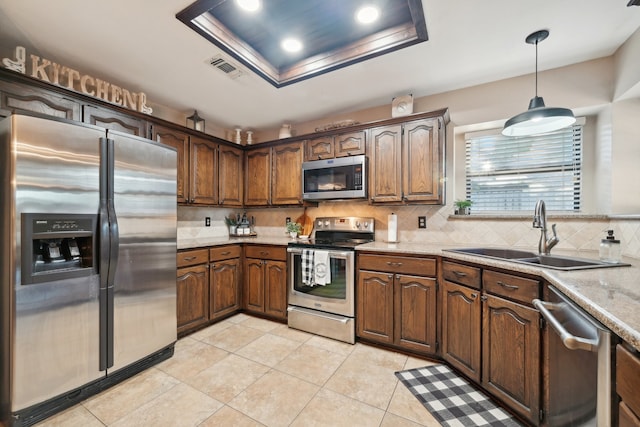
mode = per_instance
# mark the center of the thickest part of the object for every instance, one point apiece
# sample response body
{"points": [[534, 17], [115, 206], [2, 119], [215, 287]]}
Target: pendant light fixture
{"points": [[538, 118]]}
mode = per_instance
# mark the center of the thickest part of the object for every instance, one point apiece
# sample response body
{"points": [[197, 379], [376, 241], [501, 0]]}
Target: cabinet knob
{"points": [[474, 295]]}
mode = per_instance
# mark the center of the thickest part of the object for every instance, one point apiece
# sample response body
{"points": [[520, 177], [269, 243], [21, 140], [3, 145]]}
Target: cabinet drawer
{"points": [[462, 274], [628, 378], [513, 287], [224, 252], [187, 258], [396, 264], [266, 252]]}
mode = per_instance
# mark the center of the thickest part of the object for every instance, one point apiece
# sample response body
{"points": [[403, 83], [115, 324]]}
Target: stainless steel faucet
{"points": [[540, 221]]}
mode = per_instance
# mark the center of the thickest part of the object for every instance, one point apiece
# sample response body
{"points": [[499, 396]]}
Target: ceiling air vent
{"points": [[230, 69]]}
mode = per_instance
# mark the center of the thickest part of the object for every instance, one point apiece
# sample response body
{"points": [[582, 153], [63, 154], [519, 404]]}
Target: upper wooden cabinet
{"points": [[273, 176], [203, 175], [113, 120], [257, 188], [230, 177], [342, 145], [407, 162], [18, 98], [179, 141], [209, 173], [286, 184]]}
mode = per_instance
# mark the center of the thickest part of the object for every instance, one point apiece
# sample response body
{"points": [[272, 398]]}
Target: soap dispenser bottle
{"points": [[610, 248]]}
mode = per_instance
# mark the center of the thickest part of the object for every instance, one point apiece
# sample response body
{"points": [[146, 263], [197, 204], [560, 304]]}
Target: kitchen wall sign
{"points": [[63, 76]]}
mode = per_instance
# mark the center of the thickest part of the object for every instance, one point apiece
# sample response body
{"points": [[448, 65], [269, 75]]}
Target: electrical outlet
{"points": [[207, 222], [422, 222], [288, 220]]}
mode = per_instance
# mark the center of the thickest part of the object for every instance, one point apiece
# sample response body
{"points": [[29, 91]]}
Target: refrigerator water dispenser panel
{"points": [[57, 246]]}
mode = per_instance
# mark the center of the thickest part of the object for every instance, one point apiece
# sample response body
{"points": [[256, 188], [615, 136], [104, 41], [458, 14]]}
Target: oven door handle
{"points": [[570, 341], [332, 253]]}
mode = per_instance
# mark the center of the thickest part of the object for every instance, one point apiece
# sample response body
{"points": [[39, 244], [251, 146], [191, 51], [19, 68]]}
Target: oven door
{"points": [[336, 297]]}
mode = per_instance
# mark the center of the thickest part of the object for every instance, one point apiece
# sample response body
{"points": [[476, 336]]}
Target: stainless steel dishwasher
{"points": [[578, 352]]}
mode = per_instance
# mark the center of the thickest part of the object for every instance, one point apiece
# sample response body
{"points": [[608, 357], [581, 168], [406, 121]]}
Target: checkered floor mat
{"points": [[452, 400]]}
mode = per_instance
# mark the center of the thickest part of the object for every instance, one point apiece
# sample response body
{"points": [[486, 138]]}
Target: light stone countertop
{"points": [[202, 242], [611, 295]]}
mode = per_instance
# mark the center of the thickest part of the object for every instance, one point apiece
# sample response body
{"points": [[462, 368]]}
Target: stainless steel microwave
{"points": [[340, 178]]}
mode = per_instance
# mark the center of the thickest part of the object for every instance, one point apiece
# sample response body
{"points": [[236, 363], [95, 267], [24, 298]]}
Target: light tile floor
{"points": [[247, 371]]}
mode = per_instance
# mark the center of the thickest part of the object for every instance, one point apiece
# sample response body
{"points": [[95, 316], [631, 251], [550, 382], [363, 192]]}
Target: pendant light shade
{"points": [[538, 118]]}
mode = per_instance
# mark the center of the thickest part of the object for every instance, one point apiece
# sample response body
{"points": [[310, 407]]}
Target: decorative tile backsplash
{"points": [[582, 234]]}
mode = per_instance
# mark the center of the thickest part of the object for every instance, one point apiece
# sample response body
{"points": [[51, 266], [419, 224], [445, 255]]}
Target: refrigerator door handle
{"points": [[105, 249], [113, 218]]}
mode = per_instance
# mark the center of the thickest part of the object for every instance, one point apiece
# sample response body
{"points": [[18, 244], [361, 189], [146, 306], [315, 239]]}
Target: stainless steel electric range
{"points": [[321, 277]]}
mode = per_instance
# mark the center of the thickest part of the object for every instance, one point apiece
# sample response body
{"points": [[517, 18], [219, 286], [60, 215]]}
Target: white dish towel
{"points": [[321, 268]]}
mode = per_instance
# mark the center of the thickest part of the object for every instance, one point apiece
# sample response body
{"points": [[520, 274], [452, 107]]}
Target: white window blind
{"points": [[512, 173]]}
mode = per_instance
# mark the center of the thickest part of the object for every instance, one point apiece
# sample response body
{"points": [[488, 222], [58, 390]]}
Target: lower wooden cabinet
{"points": [[265, 284], [494, 339], [511, 355], [192, 289], [374, 315], [225, 274], [461, 328], [395, 308], [627, 385]]}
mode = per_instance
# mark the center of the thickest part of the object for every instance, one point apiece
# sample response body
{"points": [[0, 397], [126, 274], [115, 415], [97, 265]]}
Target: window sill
{"points": [[522, 216]]}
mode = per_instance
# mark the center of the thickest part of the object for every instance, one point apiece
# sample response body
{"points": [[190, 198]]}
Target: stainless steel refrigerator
{"points": [[87, 261]]}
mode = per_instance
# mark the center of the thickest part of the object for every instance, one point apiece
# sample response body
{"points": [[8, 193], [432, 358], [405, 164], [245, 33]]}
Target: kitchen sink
{"points": [[547, 261]]}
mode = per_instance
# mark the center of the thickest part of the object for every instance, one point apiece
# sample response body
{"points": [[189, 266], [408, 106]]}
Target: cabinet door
{"points": [[461, 328], [109, 119], [422, 162], [257, 184], [229, 176], [179, 141], [511, 355], [286, 184], [349, 144], [224, 291], [415, 313], [254, 285], [374, 317], [319, 148], [385, 164], [192, 289], [203, 184], [17, 98], [275, 289]]}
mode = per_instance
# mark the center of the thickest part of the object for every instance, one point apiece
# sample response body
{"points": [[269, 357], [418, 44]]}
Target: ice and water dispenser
{"points": [[58, 246]]}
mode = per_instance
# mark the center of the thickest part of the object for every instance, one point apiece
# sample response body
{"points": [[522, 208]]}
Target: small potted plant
{"points": [[463, 207], [232, 223], [293, 228]]}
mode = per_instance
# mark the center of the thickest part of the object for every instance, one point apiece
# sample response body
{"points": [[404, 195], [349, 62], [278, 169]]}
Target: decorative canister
{"points": [[285, 131]]}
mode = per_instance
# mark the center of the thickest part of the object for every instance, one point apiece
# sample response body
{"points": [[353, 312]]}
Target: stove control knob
{"points": [[319, 223], [326, 223], [358, 224], [366, 224]]}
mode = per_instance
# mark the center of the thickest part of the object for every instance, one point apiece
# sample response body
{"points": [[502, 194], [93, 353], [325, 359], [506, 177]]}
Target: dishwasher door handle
{"points": [[570, 341]]}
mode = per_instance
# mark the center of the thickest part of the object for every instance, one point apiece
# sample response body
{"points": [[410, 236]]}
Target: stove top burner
{"points": [[339, 233]]}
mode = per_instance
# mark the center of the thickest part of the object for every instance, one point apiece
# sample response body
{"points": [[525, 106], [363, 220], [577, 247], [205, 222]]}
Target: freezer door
{"points": [[53, 341], [144, 278]]}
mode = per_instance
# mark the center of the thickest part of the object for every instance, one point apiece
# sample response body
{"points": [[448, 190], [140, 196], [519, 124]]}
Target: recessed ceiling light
{"points": [[291, 45], [249, 5], [367, 14]]}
